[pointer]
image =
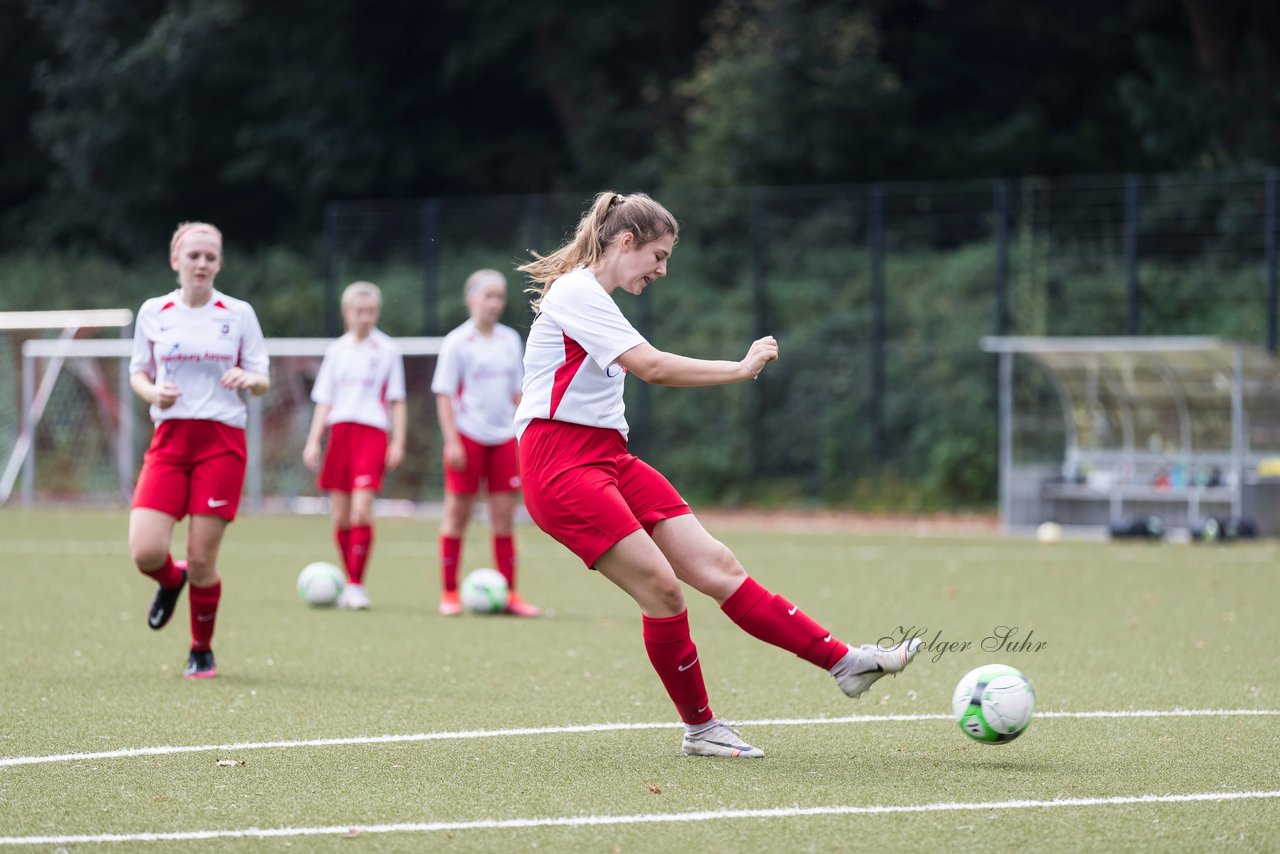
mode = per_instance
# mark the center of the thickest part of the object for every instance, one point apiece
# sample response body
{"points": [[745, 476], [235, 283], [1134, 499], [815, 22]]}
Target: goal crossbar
{"points": [[49, 348], [80, 318]]}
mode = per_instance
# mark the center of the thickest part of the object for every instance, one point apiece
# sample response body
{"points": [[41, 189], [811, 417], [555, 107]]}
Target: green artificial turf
{"points": [[1109, 627]]}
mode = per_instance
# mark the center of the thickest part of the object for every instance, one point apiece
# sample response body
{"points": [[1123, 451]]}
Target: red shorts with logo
{"points": [[585, 489], [356, 458], [193, 467], [496, 465]]}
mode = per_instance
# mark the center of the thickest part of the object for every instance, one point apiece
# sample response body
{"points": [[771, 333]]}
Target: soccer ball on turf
{"points": [[320, 583], [993, 704], [484, 591], [1049, 532]]}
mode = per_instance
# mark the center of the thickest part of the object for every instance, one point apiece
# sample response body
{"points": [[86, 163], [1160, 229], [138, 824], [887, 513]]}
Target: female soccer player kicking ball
{"points": [[194, 351], [477, 387], [359, 395], [616, 513]]}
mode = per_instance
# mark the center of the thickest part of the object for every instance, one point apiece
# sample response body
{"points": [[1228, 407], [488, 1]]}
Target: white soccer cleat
{"points": [[354, 598], [719, 739], [882, 661]]}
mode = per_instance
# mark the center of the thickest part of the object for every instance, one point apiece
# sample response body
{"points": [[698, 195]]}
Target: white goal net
{"points": [[29, 390], [85, 442]]}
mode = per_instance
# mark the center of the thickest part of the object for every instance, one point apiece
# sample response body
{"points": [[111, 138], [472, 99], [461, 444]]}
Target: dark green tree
{"points": [[1211, 100], [256, 114]]}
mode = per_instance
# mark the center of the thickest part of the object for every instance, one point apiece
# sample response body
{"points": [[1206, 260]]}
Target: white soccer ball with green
{"points": [[484, 591], [320, 583], [993, 704]]}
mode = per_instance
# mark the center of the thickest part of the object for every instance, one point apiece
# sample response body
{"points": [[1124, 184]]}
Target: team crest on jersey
{"points": [[224, 329]]}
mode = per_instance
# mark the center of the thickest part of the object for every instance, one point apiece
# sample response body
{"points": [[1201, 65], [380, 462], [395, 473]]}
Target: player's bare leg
{"points": [[709, 567], [638, 566], [699, 559], [340, 508], [150, 533]]}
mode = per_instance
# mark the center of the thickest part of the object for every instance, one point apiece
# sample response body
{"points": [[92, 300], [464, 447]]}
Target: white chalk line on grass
{"points": [[460, 735], [638, 818]]}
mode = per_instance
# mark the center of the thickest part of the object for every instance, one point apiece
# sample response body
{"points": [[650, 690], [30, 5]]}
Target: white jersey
{"points": [[192, 348], [481, 374], [357, 380], [571, 370]]}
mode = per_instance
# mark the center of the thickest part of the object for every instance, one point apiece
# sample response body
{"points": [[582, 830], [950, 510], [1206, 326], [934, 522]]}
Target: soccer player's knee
{"points": [[201, 568], [726, 563], [670, 596], [147, 554]]}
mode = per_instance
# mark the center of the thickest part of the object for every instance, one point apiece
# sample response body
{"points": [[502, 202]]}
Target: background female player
{"points": [[477, 387], [194, 351], [615, 512], [359, 393]]}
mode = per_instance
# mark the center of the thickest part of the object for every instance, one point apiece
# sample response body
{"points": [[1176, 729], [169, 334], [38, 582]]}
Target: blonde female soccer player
{"points": [[195, 350], [620, 516], [477, 387], [359, 395]]}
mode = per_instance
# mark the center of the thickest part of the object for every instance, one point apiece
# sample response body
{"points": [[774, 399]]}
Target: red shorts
{"points": [[496, 465], [356, 458], [585, 489], [194, 467]]}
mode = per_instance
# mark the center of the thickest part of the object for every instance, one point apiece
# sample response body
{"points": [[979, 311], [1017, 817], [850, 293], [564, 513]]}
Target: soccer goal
{"points": [[82, 431], [30, 393]]}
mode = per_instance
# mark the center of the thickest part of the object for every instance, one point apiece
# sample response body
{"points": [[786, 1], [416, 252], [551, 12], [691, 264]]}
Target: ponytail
{"points": [[610, 215]]}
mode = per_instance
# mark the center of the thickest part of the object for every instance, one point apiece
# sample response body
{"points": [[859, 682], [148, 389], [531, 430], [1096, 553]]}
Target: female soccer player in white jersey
{"points": [[359, 395], [477, 387], [616, 513], [194, 351]]}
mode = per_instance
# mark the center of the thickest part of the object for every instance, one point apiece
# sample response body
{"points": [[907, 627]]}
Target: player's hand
{"points": [[166, 395], [395, 455], [239, 378], [455, 456], [762, 352], [311, 455]]}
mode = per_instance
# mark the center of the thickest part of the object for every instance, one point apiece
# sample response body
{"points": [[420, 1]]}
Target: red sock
{"points": [[204, 612], [167, 576], [361, 546], [774, 620], [343, 538], [504, 555], [673, 655], [450, 549]]}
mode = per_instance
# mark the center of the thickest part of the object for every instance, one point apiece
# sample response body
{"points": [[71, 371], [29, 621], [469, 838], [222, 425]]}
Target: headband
{"points": [[190, 228]]}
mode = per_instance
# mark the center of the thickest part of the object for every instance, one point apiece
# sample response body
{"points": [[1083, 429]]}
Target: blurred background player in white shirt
{"points": [[359, 395], [477, 387], [619, 515], [195, 351]]}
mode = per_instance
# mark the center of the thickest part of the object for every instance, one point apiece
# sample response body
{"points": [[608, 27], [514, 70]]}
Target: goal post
{"points": [[34, 397], [85, 416]]}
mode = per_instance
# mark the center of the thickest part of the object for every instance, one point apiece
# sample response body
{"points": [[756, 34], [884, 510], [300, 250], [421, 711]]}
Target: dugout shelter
{"points": [[1095, 429]]}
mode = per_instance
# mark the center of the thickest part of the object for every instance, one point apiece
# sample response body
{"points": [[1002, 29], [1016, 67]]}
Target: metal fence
{"points": [[878, 295]]}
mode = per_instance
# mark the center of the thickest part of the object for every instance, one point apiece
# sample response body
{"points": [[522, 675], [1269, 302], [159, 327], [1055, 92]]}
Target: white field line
{"points": [[460, 735], [640, 818], [99, 548]]}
